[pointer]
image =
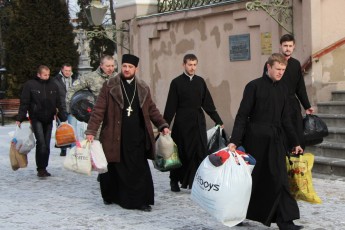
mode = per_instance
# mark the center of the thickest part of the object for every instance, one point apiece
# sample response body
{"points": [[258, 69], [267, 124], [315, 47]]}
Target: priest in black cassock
{"points": [[188, 98], [293, 78], [262, 117], [126, 109]]}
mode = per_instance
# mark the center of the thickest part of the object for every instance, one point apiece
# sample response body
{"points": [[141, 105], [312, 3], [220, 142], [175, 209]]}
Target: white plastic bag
{"points": [[24, 139], [80, 129], [224, 191], [78, 159], [165, 146], [98, 159], [211, 132], [216, 139]]}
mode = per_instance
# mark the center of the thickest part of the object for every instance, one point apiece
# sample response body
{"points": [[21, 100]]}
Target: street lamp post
{"points": [[95, 14]]}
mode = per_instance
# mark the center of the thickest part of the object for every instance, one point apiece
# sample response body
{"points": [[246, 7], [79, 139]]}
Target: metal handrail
{"points": [[316, 56]]}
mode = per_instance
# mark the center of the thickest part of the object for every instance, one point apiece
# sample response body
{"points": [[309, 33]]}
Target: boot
{"points": [[174, 186], [63, 152], [43, 173]]}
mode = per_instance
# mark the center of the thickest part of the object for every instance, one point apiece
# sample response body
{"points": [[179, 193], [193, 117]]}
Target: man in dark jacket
{"points": [[40, 98], [262, 118], [125, 109], [188, 98], [64, 80]]}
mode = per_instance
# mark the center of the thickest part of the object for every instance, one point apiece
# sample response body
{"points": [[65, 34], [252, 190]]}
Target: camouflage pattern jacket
{"points": [[92, 81]]}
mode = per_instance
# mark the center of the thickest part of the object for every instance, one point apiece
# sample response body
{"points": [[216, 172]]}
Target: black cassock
{"points": [[262, 118], [294, 80], [187, 101], [129, 182]]}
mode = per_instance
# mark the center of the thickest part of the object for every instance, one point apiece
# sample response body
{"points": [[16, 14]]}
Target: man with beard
{"points": [[188, 98], [294, 80], [261, 119], [125, 107]]}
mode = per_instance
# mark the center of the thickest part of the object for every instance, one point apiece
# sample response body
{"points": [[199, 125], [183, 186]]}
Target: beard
{"points": [[128, 77]]}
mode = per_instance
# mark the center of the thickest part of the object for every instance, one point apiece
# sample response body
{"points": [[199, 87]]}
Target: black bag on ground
{"points": [[217, 141], [82, 104], [315, 129]]}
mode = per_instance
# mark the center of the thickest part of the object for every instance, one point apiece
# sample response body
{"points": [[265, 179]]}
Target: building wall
{"points": [[327, 27], [161, 41]]}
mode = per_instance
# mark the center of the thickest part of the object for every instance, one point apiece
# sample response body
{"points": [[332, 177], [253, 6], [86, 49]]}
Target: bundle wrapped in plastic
{"points": [[218, 158], [82, 104], [166, 157]]}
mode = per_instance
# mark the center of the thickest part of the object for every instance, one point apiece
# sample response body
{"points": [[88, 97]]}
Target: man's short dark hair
{"points": [[287, 38], [187, 57], [66, 65]]}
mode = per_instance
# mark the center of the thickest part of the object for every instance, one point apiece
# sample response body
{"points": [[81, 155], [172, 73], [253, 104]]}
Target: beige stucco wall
{"points": [[161, 41], [327, 27]]}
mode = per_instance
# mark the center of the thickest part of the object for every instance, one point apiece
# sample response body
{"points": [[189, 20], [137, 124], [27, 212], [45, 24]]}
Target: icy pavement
{"points": [[67, 200]]}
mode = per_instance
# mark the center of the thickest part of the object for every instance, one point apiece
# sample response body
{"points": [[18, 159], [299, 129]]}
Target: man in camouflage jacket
{"points": [[93, 81]]}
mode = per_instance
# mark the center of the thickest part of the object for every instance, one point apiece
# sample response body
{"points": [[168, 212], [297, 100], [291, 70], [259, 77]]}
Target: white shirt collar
{"points": [[190, 76], [130, 81]]}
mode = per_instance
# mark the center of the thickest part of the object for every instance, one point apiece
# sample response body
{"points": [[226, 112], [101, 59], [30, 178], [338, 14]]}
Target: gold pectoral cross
{"points": [[129, 110]]}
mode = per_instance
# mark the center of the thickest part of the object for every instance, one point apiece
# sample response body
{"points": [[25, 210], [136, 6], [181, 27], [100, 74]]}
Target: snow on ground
{"points": [[67, 200]]}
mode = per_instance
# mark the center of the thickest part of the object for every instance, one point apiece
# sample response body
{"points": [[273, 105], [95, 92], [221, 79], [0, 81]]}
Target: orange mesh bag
{"points": [[65, 135]]}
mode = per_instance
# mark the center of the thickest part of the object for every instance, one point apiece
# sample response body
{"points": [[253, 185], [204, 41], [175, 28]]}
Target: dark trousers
{"points": [[43, 133]]}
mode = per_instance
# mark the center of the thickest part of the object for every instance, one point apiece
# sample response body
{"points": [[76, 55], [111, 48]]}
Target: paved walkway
{"points": [[71, 201]]}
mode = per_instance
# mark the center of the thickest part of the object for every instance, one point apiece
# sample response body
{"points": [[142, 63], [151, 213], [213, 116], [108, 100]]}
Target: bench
{"points": [[8, 108]]}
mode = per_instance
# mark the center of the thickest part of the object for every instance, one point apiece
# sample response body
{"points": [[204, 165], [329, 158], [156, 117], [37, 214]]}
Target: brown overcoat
{"points": [[108, 109]]}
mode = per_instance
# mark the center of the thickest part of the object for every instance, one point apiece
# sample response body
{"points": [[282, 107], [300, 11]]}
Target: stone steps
{"points": [[331, 107], [335, 135], [329, 158], [329, 166], [333, 120], [330, 154], [338, 95]]}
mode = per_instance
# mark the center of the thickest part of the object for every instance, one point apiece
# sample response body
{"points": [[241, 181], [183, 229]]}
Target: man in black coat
{"points": [[294, 80], [40, 98], [188, 98], [64, 80], [263, 116]]}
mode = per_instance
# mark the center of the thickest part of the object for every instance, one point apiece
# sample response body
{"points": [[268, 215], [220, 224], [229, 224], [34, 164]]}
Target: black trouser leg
{"points": [[42, 133]]}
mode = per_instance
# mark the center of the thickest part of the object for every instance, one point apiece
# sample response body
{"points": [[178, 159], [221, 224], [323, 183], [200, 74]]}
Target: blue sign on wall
{"points": [[239, 47]]}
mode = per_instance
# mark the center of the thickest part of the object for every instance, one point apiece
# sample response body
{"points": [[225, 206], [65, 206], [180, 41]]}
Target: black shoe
{"points": [[174, 186], [145, 208], [43, 173], [107, 202], [291, 223], [63, 152], [288, 225]]}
